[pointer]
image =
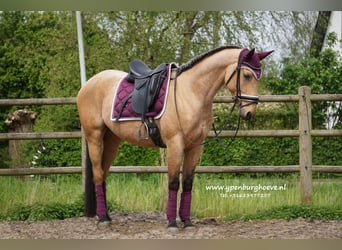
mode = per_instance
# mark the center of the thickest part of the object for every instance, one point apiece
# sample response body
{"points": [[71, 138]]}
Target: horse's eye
{"points": [[247, 76]]}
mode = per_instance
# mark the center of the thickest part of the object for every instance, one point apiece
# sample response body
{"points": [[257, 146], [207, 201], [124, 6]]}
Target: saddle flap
{"points": [[139, 100], [147, 89], [139, 83]]}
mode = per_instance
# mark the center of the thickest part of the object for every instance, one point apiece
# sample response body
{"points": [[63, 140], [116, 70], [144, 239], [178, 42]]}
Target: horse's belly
{"points": [[131, 131]]}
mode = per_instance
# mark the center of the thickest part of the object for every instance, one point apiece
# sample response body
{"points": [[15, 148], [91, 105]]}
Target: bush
{"points": [[50, 211], [292, 212]]}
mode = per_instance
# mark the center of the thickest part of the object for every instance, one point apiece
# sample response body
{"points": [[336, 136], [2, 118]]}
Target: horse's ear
{"points": [[250, 54], [262, 55]]}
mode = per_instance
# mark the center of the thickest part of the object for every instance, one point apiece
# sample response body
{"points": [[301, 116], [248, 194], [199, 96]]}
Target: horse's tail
{"points": [[89, 197]]}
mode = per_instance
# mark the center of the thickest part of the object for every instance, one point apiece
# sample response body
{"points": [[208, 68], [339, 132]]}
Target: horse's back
{"points": [[102, 82], [99, 86]]}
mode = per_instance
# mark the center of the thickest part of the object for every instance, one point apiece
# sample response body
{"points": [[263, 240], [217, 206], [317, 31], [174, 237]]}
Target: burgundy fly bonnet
{"points": [[248, 59]]}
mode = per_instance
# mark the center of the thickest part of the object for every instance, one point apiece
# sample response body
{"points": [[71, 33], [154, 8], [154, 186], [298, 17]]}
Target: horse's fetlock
{"points": [[174, 184], [187, 184]]}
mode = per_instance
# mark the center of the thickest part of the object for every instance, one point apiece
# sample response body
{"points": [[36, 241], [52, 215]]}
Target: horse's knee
{"points": [[174, 183]]}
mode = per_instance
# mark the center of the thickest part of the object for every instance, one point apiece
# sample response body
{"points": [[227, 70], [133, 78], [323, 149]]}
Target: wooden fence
{"points": [[304, 133]]}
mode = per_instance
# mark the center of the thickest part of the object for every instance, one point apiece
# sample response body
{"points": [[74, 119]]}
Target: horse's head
{"points": [[243, 81]]}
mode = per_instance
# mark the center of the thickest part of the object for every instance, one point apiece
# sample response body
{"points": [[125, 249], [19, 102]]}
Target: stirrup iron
{"points": [[144, 126]]}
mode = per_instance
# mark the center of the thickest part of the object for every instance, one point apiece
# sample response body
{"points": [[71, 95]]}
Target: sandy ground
{"points": [[152, 225]]}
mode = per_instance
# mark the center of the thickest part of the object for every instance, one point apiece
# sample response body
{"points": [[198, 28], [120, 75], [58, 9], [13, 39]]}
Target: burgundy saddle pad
{"points": [[125, 88]]}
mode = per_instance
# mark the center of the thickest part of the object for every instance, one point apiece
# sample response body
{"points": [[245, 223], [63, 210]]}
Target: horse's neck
{"points": [[207, 77]]}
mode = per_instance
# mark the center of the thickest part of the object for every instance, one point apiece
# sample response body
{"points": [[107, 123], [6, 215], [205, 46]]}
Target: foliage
{"points": [[58, 211], [130, 155], [322, 74], [39, 58], [247, 151], [52, 211], [292, 212], [53, 153], [49, 211], [45, 199]]}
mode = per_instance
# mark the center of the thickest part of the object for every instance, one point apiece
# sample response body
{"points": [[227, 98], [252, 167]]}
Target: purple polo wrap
{"points": [[171, 210], [101, 206], [185, 205]]}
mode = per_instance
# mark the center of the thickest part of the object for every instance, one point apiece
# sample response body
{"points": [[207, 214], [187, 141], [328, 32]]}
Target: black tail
{"points": [[89, 198]]}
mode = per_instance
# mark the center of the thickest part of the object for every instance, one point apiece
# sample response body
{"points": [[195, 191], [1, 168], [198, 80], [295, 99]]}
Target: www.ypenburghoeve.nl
{"points": [[243, 187]]}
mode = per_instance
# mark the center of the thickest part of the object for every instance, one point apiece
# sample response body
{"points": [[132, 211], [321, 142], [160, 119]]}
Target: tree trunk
{"points": [[19, 121], [320, 32]]}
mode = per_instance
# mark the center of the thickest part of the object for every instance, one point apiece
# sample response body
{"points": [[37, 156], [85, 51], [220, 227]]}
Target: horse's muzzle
{"points": [[246, 115], [247, 112]]}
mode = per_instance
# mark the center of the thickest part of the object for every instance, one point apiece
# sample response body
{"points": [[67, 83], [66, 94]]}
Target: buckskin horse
{"points": [[183, 125]]}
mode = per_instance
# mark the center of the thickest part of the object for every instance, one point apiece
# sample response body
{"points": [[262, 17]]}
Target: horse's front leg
{"points": [[174, 159], [190, 161]]}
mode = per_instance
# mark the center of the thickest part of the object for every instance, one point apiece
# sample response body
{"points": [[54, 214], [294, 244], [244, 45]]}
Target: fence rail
{"points": [[163, 169], [304, 133], [217, 99], [37, 101], [223, 134]]}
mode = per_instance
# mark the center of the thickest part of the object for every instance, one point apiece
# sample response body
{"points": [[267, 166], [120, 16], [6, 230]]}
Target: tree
{"points": [[39, 58], [24, 48], [322, 74]]}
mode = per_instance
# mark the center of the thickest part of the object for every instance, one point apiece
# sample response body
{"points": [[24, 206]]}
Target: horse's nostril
{"points": [[246, 115]]}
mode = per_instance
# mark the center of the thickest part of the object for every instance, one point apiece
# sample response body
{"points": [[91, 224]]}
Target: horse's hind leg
{"points": [[95, 148], [102, 150], [110, 147]]}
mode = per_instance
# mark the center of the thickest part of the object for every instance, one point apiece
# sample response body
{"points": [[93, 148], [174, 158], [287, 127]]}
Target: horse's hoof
{"points": [[188, 225], [173, 230], [103, 225], [104, 222], [172, 227]]}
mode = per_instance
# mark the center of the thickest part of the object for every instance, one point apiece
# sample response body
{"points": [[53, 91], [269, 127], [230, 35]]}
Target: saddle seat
{"points": [[147, 83], [138, 69]]}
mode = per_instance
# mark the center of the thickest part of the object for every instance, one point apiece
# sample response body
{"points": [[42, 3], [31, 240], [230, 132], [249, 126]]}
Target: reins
{"points": [[177, 113], [213, 125]]}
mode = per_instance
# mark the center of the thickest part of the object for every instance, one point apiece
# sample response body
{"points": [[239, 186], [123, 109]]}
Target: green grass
{"points": [[237, 202], [59, 197], [39, 189]]}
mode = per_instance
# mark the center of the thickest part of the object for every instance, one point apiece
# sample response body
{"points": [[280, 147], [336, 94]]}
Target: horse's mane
{"points": [[199, 58]]}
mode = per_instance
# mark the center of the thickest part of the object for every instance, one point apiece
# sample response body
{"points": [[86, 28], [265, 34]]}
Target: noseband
{"points": [[252, 99]]}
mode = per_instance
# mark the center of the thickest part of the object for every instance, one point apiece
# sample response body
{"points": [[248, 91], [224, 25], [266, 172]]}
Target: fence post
{"points": [[83, 82], [305, 144]]}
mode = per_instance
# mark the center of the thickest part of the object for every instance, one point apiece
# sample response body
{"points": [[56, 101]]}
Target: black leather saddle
{"points": [[147, 83]]}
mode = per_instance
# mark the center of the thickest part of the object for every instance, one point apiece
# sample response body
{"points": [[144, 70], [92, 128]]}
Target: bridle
{"points": [[239, 97], [251, 99]]}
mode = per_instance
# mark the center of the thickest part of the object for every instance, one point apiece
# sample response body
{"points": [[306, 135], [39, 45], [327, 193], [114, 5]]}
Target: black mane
{"points": [[199, 58]]}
